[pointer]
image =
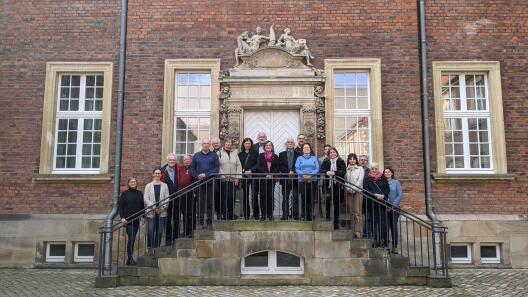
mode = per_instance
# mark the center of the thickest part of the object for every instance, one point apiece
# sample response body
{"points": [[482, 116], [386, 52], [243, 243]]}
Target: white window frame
{"points": [[364, 113], [190, 113], [462, 260], [82, 259], [465, 115], [55, 259], [494, 260], [80, 115], [272, 265]]}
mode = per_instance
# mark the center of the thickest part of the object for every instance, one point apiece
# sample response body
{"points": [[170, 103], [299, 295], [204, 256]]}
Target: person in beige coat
{"points": [[230, 173], [354, 175], [155, 193]]}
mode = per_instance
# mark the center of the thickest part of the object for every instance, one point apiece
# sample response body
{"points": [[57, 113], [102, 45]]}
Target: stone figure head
{"points": [[258, 30], [225, 90], [287, 31]]}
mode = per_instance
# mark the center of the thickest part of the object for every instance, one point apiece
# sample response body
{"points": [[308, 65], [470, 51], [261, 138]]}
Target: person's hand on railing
{"points": [[201, 176], [247, 172], [269, 176], [379, 196], [142, 220], [237, 181], [124, 221], [291, 173], [330, 173]]}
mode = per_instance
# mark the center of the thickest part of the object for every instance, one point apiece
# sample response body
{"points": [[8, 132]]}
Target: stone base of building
{"points": [[329, 257]]}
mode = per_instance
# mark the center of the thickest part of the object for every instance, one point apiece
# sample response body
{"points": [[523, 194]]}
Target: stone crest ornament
{"points": [[248, 45]]}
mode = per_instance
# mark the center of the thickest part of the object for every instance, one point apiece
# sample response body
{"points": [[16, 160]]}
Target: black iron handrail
{"points": [[439, 266]]}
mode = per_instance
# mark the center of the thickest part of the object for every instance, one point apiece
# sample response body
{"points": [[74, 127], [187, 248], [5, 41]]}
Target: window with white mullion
{"points": [[78, 124], [467, 133], [192, 111]]}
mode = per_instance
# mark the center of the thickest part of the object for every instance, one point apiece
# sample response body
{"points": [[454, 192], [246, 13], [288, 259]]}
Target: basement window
{"points": [[272, 262], [84, 252], [461, 253], [55, 252], [490, 253]]}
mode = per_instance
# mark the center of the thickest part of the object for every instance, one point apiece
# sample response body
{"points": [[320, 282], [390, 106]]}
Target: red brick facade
{"points": [[36, 33]]}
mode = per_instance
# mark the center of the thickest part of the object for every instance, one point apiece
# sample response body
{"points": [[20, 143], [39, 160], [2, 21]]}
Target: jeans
{"points": [[394, 216], [155, 227]]}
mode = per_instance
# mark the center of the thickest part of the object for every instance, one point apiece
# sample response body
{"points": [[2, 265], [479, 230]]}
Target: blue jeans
{"points": [[155, 228]]}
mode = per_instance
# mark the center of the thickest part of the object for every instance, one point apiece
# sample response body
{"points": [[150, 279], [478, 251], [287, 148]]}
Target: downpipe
{"points": [[426, 138], [107, 253]]}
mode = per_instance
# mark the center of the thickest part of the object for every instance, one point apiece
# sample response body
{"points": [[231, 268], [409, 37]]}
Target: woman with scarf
{"points": [[376, 186], [268, 163], [335, 169], [130, 208]]}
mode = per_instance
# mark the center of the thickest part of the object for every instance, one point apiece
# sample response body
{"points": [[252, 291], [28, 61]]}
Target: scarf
{"points": [[375, 176], [268, 156]]}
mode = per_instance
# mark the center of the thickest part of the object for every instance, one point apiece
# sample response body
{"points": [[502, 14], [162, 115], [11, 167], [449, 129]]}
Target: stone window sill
{"points": [[446, 178], [72, 178]]}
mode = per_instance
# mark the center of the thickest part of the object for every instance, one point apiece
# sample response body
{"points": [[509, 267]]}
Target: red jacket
{"points": [[185, 177]]}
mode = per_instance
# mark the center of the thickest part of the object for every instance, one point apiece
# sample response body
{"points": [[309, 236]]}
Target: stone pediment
{"points": [[272, 57]]}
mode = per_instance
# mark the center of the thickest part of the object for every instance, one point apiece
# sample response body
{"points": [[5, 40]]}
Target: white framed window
{"points": [[352, 112], [192, 111], [461, 253], [84, 252], [55, 252], [272, 262], [490, 253], [467, 133], [78, 130]]}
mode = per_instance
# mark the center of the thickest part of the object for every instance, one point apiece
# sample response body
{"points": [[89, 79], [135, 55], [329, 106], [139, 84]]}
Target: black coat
{"points": [[381, 186], [340, 170], [130, 202], [251, 163], [299, 150], [262, 166], [283, 161]]}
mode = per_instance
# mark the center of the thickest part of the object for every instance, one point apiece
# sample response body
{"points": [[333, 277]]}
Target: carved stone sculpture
{"points": [[294, 46], [320, 111]]}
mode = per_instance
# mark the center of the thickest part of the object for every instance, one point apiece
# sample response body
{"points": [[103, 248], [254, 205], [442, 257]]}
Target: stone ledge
{"points": [[72, 178], [477, 178]]}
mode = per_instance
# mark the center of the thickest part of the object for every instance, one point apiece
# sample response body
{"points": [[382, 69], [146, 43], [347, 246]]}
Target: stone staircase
{"points": [[213, 257]]}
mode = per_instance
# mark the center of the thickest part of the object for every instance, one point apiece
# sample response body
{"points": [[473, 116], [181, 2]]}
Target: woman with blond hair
{"points": [[354, 202]]}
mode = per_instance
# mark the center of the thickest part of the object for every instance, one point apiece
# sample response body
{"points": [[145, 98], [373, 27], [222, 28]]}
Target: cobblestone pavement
{"points": [[61, 282]]}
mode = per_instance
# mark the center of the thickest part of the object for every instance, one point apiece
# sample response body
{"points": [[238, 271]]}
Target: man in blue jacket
{"points": [[204, 164]]}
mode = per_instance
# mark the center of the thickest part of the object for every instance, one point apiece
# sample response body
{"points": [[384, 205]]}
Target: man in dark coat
{"points": [[289, 183], [170, 177]]}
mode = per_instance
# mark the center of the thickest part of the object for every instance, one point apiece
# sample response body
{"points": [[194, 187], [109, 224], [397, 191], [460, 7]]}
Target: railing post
{"points": [[107, 257]]}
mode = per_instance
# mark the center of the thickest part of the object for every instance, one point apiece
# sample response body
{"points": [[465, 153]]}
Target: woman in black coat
{"points": [[267, 163], [130, 207], [335, 169], [248, 158], [376, 186]]}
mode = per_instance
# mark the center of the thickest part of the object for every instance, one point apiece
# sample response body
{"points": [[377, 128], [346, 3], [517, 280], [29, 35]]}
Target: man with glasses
{"points": [[289, 183]]}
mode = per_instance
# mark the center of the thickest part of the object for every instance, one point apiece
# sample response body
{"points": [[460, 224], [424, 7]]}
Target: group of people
{"points": [[256, 170]]}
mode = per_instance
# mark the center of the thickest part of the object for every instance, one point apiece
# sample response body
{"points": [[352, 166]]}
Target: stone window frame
{"points": [[47, 147], [373, 66], [498, 144], [172, 66]]}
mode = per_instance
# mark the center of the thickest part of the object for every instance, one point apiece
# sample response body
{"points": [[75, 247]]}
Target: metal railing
{"points": [[275, 197]]}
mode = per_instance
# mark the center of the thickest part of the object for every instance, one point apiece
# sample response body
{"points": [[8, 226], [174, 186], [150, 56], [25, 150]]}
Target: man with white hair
{"points": [[216, 144], [289, 183], [261, 140], [170, 177], [217, 147], [204, 164]]}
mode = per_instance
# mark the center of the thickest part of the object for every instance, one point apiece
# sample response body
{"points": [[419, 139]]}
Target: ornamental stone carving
{"points": [[224, 95], [309, 108], [248, 45], [319, 93]]}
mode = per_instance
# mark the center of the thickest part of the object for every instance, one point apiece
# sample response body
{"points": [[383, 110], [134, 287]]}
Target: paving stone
{"points": [[72, 282]]}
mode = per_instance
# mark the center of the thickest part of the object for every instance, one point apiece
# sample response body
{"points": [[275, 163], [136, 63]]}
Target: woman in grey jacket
{"points": [[155, 192], [230, 173]]}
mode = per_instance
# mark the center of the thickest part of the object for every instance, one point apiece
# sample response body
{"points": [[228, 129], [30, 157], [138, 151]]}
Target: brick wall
{"points": [[489, 31], [39, 32]]}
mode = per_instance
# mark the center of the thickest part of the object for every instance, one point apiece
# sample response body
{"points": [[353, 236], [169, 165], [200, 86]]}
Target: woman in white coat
{"points": [[355, 175], [230, 173], [155, 192]]}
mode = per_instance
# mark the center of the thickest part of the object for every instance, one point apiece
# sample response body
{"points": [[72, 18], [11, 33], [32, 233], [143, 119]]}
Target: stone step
{"points": [[138, 271], [147, 261], [378, 253], [204, 235], [418, 271]]}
